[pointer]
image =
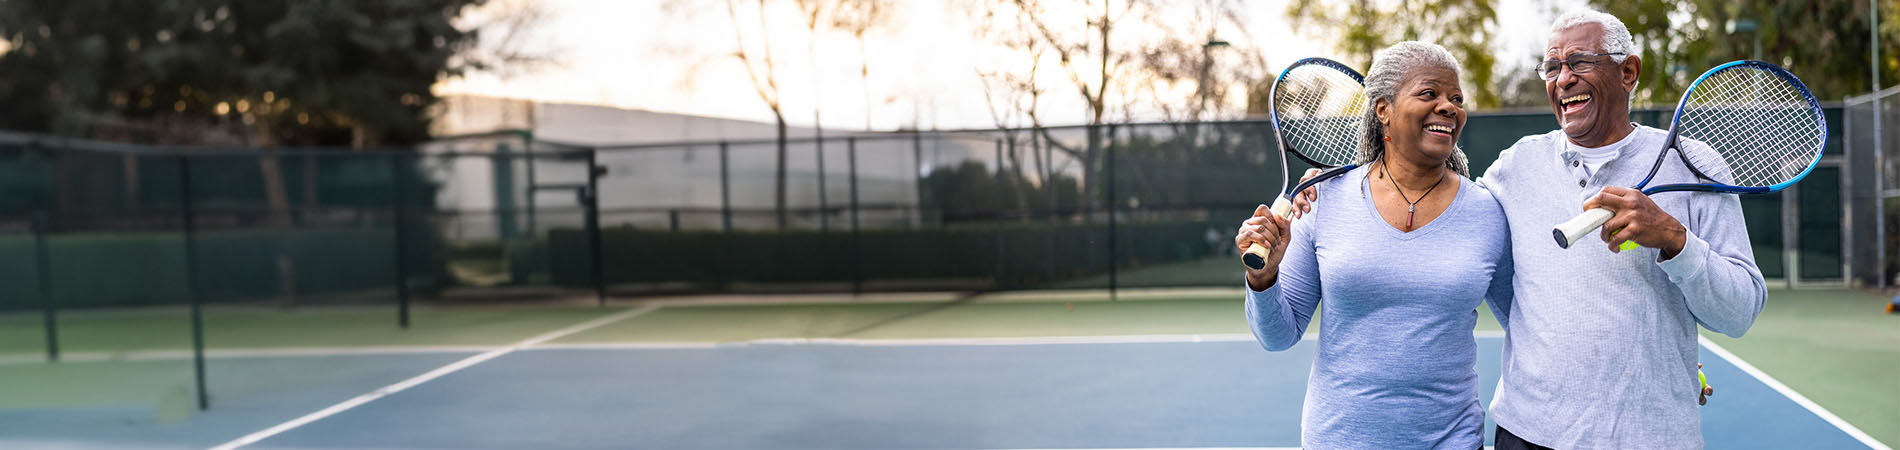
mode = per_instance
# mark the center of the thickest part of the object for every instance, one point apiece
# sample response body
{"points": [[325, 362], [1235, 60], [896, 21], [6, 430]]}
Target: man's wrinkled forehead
{"points": [[1578, 39]]}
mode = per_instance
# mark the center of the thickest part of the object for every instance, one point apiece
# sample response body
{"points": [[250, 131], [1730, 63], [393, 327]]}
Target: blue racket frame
{"points": [[1675, 123]]}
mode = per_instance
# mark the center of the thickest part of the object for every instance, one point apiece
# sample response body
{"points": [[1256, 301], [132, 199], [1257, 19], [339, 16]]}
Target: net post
{"points": [[191, 282], [399, 207]]}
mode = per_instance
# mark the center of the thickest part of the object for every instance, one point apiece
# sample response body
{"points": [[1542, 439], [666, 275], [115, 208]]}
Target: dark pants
{"points": [[1508, 441]]}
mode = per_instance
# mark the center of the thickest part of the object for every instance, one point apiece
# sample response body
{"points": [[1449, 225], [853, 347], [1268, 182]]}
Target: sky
{"points": [[641, 54]]}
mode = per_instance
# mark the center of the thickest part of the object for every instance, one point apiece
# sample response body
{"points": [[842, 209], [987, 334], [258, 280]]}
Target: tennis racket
{"points": [[1745, 127], [1316, 107]]}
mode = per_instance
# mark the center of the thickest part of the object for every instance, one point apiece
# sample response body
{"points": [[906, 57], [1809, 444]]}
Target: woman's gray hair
{"points": [[1389, 69], [1616, 37]]}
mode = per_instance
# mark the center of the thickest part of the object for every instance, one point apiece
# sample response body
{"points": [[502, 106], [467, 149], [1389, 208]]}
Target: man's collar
{"points": [[1567, 147]]}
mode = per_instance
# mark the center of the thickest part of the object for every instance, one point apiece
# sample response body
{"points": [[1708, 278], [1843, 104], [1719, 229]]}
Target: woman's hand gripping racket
{"points": [[1745, 127], [1317, 104]]}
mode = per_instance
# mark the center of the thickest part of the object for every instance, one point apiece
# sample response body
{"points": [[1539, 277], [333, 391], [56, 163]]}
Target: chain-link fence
{"points": [[1873, 140], [91, 232], [1111, 206]]}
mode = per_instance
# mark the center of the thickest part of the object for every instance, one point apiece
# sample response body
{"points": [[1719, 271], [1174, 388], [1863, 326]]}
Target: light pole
{"points": [[1746, 25]]}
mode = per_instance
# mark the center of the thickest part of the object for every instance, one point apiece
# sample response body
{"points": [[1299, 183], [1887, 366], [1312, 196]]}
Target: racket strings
{"points": [[1320, 110], [1761, 127]]}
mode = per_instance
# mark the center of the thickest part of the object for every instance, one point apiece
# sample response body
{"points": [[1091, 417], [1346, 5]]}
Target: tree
{"points": [[1827, 47], [1111, 72], [230, 72], [1465, 27], [268, 73], [859, 18], [764, 74]]}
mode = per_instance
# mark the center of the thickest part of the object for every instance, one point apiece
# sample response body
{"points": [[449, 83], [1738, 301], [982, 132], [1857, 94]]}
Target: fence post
{"points": [[857, 252], [502, 166], [1108, 156], [824, 210], [1049, 204], [593, 226], [399, 207], [1790, 244], [725, 189], [916, 173], [48, 311], [719, 266], [191, 282], [1880, 168], [824, 216], [1002, 200]]}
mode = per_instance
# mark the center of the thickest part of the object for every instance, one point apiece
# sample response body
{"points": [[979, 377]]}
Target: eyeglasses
{"points": [[1580, 63]]}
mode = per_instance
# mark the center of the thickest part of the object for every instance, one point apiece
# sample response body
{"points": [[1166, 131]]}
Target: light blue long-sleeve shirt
{"points": [[1600, 352], [1396, 361]]}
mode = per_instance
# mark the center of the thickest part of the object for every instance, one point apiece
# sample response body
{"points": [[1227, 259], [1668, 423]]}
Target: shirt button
{"points": [[1574, 164], [1579, 183]]}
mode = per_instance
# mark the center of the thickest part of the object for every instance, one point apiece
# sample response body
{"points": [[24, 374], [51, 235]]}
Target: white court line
{"points": [[943, 342], [287, 352], [431, 375], [1792, 395], [1181, 448]]}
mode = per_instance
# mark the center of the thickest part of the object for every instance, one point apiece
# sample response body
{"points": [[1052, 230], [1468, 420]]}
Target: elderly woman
{"points": [[1398, 272]]}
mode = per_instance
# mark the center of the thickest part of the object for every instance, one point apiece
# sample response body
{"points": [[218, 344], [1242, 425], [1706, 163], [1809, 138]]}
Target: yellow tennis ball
{"points": [[1627, 246], [1703, 378]]}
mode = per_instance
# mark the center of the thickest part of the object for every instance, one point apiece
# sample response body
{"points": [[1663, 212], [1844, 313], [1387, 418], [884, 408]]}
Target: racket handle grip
{"points": [[1256, 256], [1570, 231], [1281, 207]]}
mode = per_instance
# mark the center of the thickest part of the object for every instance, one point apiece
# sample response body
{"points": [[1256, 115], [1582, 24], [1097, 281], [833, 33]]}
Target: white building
{"points": [[652, 185]]}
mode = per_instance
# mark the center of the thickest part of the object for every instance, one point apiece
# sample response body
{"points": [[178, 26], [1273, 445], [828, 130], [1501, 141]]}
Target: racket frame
{"points": [[1282, 205], [1255, 256], [1675, 124], [1596, 217]]}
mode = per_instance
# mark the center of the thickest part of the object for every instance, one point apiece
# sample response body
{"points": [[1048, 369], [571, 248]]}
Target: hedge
{"points": [[1010, 255], [146, 268]]}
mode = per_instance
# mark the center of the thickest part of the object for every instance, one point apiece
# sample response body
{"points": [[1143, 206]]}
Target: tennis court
{"points": [[1066, 369]]}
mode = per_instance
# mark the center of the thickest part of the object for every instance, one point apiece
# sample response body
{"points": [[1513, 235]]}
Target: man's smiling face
{"points": [[1593, 107]]}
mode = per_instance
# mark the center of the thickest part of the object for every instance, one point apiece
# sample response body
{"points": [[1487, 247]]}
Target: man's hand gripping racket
{"points": [[1745, 127]]}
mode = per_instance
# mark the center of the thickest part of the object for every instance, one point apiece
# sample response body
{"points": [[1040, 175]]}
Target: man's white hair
{"points": [[1616, 37]]}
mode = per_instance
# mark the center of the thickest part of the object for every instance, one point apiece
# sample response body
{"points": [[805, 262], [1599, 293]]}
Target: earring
{"points": [[1388, 139]]}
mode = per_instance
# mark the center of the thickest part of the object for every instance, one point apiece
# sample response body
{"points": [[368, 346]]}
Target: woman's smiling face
{"points": [[1426, 114]]}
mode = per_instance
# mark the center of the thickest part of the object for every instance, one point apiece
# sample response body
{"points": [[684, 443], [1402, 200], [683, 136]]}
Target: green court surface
{"points": [[1834, 346]]}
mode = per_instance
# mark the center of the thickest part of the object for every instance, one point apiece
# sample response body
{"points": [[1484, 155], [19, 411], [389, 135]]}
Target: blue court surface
{"points": [[1215, 391]]}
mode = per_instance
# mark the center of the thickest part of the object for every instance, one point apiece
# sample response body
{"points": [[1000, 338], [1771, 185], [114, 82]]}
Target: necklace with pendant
{"points": [[1411, 206]]}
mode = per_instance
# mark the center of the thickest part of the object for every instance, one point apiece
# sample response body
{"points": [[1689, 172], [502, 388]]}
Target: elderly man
{"points": [[1600, 343], [1601, 346]]}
